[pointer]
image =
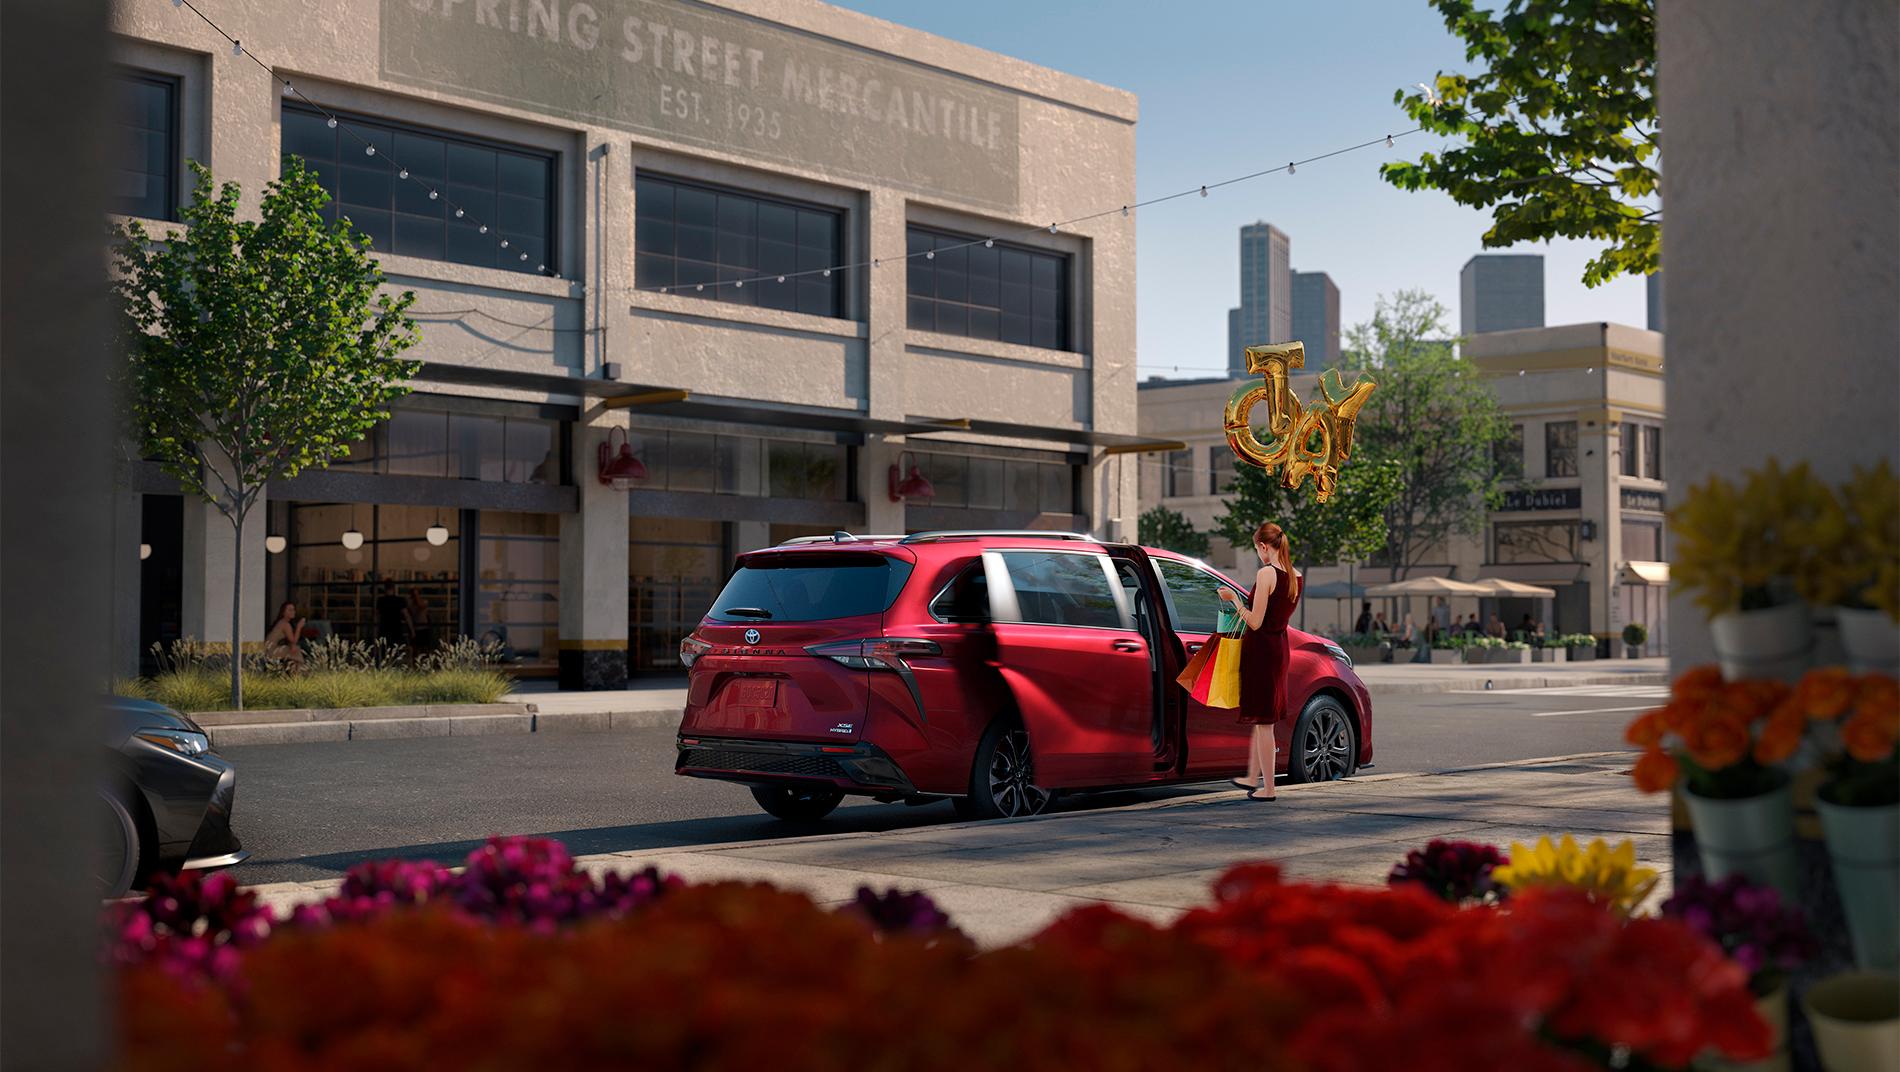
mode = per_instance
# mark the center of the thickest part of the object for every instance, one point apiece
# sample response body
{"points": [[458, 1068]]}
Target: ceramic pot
{"points": [[1871, 638], [1856, 1021], [1750, 836], [1863, 844], [1772, 643]]}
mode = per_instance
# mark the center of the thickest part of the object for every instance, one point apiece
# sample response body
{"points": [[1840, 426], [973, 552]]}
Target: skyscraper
{"points": [[1266, 293], [1501, 292], [1316, 317]]}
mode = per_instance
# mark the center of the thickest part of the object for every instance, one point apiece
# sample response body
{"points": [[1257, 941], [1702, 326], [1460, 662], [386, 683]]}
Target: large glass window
{"points": [[686, 234], [465, 446], [507, 189], [1057, 588], [1627, 448], [674, 568], [742, 465], [1534, 541], [340, 590], [145, 140], [1652, 451], [960, 285], [1507, 453], [1560, 448], [1180, 473], [1643, 541], [518, 588], [1193, 596], [1220, 469]]}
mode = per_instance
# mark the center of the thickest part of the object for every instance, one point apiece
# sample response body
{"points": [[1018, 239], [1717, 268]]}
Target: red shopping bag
{"points": [[1212, 676]]}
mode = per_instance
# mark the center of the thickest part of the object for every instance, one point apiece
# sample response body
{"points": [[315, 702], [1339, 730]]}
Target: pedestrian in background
{"points": [[1364, 624], [392, 616], [1265, 654]]}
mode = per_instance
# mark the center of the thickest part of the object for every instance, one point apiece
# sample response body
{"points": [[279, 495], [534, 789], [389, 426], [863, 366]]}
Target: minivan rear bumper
{"points": [[857, 768]]}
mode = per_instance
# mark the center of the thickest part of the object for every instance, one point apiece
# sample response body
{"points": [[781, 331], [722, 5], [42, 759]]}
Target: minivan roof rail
{"points": [[1032, 534], [840, 536]]}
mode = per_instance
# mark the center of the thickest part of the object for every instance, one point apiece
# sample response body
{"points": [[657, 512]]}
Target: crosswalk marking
{"points": [[1634, 692]]}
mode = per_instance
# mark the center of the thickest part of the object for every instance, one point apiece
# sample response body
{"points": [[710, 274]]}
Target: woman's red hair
{"points": [[1273, 537]]}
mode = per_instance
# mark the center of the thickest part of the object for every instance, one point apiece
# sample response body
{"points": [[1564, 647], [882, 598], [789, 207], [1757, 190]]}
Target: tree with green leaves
{"points": [[1162, 527], [255, 348], [1434, 419], [1558, 136], [1348, 527]]}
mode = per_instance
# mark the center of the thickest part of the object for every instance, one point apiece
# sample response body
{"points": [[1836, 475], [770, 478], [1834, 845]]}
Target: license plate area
{"points": [[752, 692]]}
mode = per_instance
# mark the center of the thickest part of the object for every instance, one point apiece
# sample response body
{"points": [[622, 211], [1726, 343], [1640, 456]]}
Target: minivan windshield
{"points": [[810, 588]]}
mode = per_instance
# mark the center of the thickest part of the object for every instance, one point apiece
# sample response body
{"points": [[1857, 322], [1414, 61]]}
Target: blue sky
{"points": [[1231, 86]]}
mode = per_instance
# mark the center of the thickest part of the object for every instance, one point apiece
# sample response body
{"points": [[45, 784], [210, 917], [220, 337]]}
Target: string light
{"points": [[988, 242], [1052, 228], [1388, 141], [433, 195], [1290, 168], [458, 213], [483, 229], [332, 123], [1203, 194], [1125, 208], [237, 48], [369, 150], [930, 255], [780, 278], [402, 173]]}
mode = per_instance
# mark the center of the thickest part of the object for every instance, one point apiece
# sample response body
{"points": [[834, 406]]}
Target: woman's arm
{"points": [[1263, 584]]}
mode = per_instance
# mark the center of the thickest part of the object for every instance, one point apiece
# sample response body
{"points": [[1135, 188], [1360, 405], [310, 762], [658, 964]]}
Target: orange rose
{"points": [[1877, 692], [1754, 699], [1697, 683], [1869, 736], [1677, 716], [1781, 736], [1655, 771], [1718, 743], [1825, 693], [1646, 730]]}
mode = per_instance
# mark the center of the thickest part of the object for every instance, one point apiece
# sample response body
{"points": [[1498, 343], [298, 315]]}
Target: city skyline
{"points": [[1370, 237]]}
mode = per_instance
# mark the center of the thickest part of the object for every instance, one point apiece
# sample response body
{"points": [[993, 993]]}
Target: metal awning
{"points": [[1646, 572], [553, 383], [1114, 442]]}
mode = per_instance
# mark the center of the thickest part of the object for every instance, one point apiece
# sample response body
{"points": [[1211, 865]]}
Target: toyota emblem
{"points": [[752, 636]]}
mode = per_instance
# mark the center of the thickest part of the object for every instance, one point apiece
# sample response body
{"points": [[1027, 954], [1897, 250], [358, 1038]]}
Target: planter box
{"points": [[1508, 655], [1360, 654], [1447, 656], [1547, 655], [1582, 654]]}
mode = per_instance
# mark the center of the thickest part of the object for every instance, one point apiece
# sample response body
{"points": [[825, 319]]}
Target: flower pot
{"points": [[1582, 653], [1510, 655], [1547, 655], [1863, 844], [1773, 1008], [1446, 656], [1770, 643], [1856, 1021], [1361, 654], [1751, 836], [1871, 638]]}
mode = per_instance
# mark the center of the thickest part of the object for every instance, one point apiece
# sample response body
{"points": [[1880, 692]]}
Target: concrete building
{"points": [[734, 142], [1266, 293], [1652, 293], [1584, 517], [1315, 319], [1501, 292]]}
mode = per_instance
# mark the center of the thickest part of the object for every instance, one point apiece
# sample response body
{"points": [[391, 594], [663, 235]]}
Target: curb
{"points": [[1508, 682]]}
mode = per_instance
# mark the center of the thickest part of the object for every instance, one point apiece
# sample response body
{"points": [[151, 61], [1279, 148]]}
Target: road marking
{"points": [[1633, 692], [1592, 711]]}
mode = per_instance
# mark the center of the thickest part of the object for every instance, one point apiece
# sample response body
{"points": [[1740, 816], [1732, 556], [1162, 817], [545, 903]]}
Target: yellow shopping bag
{"points": [[1224, 675]]}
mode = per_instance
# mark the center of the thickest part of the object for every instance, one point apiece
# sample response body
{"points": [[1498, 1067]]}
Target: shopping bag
{"points": [[1228, 621], [1224, 678]]}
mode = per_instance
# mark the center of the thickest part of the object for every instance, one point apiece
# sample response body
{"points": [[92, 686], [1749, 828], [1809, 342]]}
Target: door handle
{"points": [[1193, 646], [1128, 645]]}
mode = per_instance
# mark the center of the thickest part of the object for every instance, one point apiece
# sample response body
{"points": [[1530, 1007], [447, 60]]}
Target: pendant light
{"points": [[275, 544], [437, 534], [352, 537]]}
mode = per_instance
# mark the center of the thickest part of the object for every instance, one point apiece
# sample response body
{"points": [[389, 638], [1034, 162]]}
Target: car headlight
{"points": [[1339, 653], [183, 742]]}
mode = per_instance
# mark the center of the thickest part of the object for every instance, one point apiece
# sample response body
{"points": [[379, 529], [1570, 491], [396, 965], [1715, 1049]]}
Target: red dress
{"points": [[1264, 658]]}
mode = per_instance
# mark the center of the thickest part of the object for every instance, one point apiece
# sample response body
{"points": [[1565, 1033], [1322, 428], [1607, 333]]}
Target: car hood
{"points": [[126, 716]]}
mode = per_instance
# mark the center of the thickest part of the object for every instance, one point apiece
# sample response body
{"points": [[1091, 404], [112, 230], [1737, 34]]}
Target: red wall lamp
{"points": [[914, 486], [620, 470]]}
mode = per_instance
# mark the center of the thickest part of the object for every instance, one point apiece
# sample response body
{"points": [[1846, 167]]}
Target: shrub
{"points": [[197, 688], [462, 653], [340, 653], [1635, 634], [460, 686], [340, 673]]}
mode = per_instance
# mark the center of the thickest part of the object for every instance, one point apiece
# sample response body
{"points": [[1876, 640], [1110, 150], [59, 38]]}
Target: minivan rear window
{"points": [[810, 588]]}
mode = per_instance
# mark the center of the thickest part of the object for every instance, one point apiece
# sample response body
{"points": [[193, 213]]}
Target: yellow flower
{"points": [[1608, 875]]}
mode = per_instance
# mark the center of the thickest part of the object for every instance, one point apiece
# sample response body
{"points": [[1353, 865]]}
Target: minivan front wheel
{"points": [[1002, 780], [796, 805], [1323, 746]]}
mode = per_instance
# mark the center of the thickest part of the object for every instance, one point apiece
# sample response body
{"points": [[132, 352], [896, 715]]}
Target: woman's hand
{"points": [[1227, 596]]}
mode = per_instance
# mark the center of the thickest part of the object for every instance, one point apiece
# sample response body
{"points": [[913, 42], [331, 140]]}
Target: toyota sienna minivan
{"points": [[995, 669]]}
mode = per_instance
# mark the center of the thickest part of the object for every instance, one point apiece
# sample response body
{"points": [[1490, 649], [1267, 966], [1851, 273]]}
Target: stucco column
{"points": [[889, 392], [1782, 200], [594, 566], [210, 557]]}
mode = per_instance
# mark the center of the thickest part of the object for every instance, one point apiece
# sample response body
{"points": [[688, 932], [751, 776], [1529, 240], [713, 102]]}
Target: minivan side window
{"points": [[965, 600], [1193, 596], [1057, 588], [790, 587]]}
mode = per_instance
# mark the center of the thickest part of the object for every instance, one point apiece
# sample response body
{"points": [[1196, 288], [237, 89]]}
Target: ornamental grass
{"points": [[522, 960]]}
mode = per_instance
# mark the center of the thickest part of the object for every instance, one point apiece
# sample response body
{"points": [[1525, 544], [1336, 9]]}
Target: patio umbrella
{"points": [[1499, 588], [1334, 590], [1428, 586]]}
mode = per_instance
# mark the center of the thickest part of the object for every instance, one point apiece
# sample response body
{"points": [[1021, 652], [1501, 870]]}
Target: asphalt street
{"points": [[308, 811]]}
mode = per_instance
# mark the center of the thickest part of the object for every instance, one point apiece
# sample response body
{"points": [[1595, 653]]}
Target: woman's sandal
{"points": [[1275, 796], [1239, 784]]}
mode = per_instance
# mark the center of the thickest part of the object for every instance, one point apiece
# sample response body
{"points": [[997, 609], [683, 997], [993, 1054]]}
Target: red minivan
{"points": [[994, 669]]}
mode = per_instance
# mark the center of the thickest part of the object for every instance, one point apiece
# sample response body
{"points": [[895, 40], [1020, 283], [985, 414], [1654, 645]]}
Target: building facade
{"points": [[783, 253], [1584, 478], [1316, 317], [1501, 292], [1266, 293]]}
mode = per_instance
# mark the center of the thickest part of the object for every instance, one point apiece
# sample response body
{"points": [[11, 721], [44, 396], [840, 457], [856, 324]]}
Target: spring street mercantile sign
{"points": [[700, 75]]}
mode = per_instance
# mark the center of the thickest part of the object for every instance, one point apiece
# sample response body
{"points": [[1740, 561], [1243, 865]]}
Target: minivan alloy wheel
{"points": [[1325, 748], [1011, 777]]}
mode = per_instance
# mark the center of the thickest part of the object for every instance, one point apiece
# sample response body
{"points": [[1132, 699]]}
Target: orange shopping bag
{"points": [[1212, 677]]}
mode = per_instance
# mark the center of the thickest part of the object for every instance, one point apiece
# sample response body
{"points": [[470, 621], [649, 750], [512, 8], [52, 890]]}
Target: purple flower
{"points": [[1455, 871], [896, 912], [190, 924], [1748, 921]]}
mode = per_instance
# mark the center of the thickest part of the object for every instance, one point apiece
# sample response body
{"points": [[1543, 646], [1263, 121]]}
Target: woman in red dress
{"points": [[1264, 653]]}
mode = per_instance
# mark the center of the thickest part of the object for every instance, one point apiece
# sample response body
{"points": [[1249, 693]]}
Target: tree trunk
{"points": [[237, 610]]}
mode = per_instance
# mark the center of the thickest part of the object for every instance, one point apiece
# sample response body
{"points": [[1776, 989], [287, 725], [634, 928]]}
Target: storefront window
{"points": [[1534, 541], [1560, 448], [949, 478], [675, 568], [337, 588], [1507, 454], [1652, 452], [1643, 541], [1180, 473], [986, 483], [1627, 448], [518, 588], [418, 441]]}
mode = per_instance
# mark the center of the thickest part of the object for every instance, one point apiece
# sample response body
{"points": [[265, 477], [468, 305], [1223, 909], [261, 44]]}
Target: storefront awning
{"points": [[553, 383], [1646, 572], [1114, 442]]}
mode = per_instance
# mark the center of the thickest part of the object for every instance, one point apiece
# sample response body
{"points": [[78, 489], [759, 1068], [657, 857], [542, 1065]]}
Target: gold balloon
{"points": [[1294, 427]]}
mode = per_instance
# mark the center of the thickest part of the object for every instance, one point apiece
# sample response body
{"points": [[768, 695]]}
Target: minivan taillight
{"points": [[882, 653], [691, 648]]}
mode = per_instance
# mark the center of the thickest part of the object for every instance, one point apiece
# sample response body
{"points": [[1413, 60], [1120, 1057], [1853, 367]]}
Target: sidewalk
{"points": [[1005, 879]]}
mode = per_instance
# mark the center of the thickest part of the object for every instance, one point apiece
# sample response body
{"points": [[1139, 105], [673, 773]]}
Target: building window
{"points": [[145, 178], [518, 588], [1220, 469], [1643, 541], [1560, 448], [1628, 449], [1180, 474], [1652, 451], [1534, 541], [742, 465], [980, 482], [1507, 454], [685, 235], [461, 446], [507, 189], [960, 285]]}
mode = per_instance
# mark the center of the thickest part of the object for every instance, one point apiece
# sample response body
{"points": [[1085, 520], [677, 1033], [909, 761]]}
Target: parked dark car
{"points": [[992, 668], [165, 800]]}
